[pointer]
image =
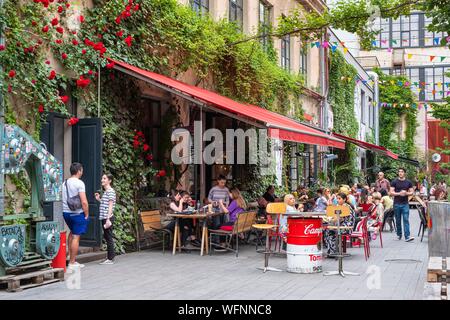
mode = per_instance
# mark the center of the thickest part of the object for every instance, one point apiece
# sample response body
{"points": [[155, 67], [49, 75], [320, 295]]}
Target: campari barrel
{"points": [[304, 245]]}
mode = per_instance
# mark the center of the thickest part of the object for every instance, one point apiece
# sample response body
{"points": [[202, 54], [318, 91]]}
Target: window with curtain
{"points": [[236, 12], [304, 64], [200, 6], [264, 22], [286, 52]]}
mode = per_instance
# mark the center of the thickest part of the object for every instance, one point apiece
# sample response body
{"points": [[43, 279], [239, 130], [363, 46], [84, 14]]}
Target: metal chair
{"points": [[276, 208], [268, 228]]}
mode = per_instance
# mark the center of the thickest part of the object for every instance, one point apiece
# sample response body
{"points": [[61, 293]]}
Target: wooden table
{"points": [[195, 215]]}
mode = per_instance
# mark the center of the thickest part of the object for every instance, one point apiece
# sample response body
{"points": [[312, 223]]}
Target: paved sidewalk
{"points": [[153, 275]]}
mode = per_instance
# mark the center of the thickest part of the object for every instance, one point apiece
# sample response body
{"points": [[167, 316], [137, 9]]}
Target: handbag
{"points": [[74, 203]]}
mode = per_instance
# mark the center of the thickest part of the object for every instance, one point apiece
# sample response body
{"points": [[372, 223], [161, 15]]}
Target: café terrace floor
{"points": [[188, 276]]}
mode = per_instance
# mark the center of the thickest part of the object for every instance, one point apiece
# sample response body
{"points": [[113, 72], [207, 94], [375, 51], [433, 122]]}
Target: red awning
{"points": [[279, 126], [368, 146]]}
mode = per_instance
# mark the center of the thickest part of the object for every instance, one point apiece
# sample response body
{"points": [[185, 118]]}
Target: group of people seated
{"points": [[227, 201], [361, 200]]}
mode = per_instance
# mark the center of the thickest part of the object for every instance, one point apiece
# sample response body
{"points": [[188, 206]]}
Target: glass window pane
{"points": [[405, 23]]}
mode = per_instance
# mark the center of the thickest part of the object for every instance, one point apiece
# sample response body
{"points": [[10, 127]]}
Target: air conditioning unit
{"points": [[398, 58]]}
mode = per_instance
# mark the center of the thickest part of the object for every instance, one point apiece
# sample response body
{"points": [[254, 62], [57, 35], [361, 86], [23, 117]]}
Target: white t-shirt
{"points": [[75, 186]]}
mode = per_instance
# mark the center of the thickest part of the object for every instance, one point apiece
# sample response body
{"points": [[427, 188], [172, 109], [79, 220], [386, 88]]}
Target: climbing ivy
{"points": [[395, 93], [342, 100]]}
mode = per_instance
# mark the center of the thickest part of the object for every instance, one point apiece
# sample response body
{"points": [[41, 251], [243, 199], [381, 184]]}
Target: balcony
{"points": [[318, 6], [368, 62]]}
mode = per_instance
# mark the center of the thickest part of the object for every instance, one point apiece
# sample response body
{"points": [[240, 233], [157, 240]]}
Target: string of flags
{"points": [[436, 41], [419, 105], [334, 46], [420, 85]]}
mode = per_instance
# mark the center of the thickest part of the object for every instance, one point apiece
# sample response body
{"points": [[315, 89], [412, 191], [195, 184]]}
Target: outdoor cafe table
{"points": [[194, 215]]}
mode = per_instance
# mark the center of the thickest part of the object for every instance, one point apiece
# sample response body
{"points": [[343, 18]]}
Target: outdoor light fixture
{"points": [[330, 156]]}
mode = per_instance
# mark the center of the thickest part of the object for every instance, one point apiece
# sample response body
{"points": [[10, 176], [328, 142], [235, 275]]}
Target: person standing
{"points": [[75, 211], [216, 194], [401, 188], [107, 204], [382, 183]]}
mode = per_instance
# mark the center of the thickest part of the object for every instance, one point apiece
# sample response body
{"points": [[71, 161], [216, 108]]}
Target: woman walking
{"points": [[107, 204]]}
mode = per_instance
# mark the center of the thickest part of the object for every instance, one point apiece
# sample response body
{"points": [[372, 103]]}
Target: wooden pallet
{"points": [[436, 291], [438, 269], [33, 279]]}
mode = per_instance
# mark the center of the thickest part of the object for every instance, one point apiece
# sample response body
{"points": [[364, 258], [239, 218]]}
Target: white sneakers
{"points": [[75, 265], [107, 261]]}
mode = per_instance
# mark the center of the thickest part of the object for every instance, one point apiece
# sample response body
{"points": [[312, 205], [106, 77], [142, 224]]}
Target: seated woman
{"points": [[178, 204], [322, 200], [330, 236], [376, 215], [236, 206]]}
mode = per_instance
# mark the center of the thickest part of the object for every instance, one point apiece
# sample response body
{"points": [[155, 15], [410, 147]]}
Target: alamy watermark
{"points": [[208, 146]]}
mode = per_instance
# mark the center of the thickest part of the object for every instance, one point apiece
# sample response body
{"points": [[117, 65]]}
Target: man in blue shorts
{"points": [[77, 213]]}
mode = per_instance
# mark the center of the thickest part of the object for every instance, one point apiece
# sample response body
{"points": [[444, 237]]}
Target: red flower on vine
{"points": [[67, 5], [73, 121], [33, 23], [149, 157], [135, 144], [119, 33], [58, 41], [74, 42], [81, 18], [136, 7], [45, 29], [9, 88], [83, 51], [33, 81], [64, 56], [161, 173], [54, 21], [146, 147], [2, 47], [118, 20], [47, 62], [110, 65], [64, 99], [60, 9], [128, 8], [60, 30], [83, 82], [90, 72], [128, 40], [41, 108], [12, 73]]}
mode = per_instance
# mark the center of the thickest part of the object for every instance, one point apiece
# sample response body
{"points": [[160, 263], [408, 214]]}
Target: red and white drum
{"points": [[304, 249]]}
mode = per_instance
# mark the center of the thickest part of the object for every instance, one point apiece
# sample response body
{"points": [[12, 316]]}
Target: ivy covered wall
{"points": [[397, 124], [342, 100]]}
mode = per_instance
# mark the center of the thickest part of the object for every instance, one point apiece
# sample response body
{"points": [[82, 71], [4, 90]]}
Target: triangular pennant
{"points": [[443, 58], [345, 50], [374, 43], [409, 55], [313, 44], [394, 41], [333, 48], [432, 58], [325, 44], [389, 49], [436, 40], [439, 84], [318, 44], [383, 41]]}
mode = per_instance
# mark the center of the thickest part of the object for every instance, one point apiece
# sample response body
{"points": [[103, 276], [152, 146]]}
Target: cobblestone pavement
{"points": [[188, 276]]}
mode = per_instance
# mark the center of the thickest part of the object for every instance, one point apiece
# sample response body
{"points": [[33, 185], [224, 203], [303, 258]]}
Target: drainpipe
{"points": [[324, 92], [2, 132], [376, 94]]}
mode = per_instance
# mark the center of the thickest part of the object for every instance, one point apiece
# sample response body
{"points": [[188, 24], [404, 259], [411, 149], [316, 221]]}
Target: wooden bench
{"points": [[243, 224], [151, 222]]}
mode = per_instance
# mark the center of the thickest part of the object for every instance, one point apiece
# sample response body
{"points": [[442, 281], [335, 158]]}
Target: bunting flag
{"points": [[432, 58], [436, 40], [419, 105], [443, 58], [409, 55], [345, 50]]}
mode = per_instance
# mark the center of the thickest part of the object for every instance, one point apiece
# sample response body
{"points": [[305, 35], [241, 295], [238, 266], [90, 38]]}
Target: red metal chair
{"points": [[361, 233], [275, 208]]}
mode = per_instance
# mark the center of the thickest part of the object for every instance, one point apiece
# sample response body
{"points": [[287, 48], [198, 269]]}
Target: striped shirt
{"points": [[108, 195]]}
